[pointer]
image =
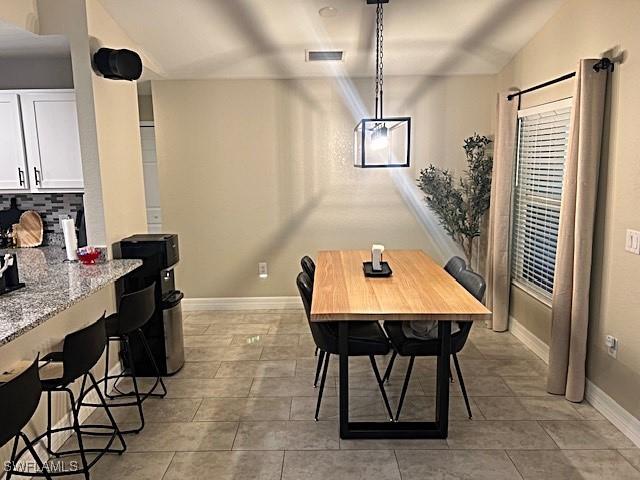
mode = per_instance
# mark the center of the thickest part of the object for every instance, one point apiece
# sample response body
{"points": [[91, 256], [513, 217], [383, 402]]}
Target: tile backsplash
{"points": [[50, 206]]}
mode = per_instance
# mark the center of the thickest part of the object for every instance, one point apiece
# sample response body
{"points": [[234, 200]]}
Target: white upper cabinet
{"points": [[13, 167], [50, 126]]}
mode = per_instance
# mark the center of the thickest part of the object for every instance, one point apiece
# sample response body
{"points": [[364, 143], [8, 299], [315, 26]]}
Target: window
{"points": [[542, 149]]}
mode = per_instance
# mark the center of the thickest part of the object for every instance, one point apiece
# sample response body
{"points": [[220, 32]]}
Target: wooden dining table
{"points": [[418, 289]]}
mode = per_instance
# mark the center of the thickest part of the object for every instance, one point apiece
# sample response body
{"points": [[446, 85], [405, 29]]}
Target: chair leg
{"points": [[318, 368], [322, 380], [49, 426], [143, 338], [105, 406], [106, 371], [12, 462], [462, 387], [135, 388], [405, 386], [387, 372], [450, 375], [76, 427], [34, 454], [315, 354], [374, 366]]}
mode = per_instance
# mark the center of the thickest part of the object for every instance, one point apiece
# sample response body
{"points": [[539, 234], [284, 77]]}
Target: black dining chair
{"points": [[135, 309], [413, 347], [309, 267], [365, 339], [454, 266], [19, 398], [81, 351]]}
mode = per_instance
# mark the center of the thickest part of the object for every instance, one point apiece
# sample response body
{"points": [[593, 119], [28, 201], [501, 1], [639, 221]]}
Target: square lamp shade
{"points": [[382, 142]]}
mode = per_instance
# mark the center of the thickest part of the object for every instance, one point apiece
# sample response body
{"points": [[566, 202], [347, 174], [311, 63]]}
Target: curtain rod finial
{"points": [[604, 64]]}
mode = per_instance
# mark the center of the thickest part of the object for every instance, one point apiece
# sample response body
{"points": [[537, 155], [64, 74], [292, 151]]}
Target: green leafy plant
{"points": [[461, 205]]}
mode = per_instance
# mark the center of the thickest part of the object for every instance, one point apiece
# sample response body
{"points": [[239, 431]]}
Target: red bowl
{"points": [[89, 258]]}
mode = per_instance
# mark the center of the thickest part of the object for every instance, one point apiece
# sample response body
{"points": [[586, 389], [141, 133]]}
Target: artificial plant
{"points": [[461, 205]]}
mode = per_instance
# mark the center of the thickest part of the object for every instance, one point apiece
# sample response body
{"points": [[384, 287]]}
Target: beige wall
{"points": [[261, 170], [20, 13], [117, 123], [145, 107], [592, 28]]}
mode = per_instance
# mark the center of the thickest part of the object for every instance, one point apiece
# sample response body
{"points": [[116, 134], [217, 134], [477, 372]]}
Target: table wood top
{"points": [[419, 289]]}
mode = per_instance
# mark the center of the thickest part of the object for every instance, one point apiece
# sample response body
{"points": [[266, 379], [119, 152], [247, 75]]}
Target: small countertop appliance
{"points": [[159, 254]]}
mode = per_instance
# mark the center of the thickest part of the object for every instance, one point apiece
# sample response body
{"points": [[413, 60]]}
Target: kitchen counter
{"points": [[52, 286]]}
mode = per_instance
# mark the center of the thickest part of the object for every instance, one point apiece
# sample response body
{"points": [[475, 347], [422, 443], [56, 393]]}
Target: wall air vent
{"points": [[325, 55]]}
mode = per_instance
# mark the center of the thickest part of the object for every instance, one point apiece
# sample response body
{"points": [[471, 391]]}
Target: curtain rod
{"points": [[603, 64]]}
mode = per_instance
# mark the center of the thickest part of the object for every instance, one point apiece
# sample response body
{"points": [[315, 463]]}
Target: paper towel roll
{"points": [[70, 238]]}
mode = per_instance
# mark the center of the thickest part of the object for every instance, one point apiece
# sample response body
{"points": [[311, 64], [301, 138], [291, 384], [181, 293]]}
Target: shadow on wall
{"points": [[473, 43]]}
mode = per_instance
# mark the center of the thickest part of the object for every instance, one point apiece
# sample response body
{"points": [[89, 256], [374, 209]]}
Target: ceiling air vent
{"points": [[325, 55]]}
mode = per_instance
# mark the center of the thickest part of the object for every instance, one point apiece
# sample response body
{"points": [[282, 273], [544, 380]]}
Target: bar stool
{"points": [[14, 415], [81, 351], [134, 311]]}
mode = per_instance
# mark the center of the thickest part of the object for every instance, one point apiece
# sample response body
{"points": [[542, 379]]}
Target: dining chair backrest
{"points": [[82, 349], [455, 266], [136, 308], [476, 286], [320, 331], [308, 267], [19, 399]]}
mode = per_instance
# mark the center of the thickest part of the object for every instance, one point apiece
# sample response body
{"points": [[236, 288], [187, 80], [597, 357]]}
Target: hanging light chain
{"points": [[377, 80], [381, 52]]}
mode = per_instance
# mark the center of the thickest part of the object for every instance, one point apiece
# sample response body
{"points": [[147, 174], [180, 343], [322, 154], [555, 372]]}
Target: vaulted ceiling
{"points": [[268, 38]]}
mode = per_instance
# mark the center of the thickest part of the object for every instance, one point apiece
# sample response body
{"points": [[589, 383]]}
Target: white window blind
{"points": [[542, 149]]}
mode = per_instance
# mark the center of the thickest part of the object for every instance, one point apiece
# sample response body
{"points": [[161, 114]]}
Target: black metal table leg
{"points": [[437, 429], [442, 386], [343, 348]]}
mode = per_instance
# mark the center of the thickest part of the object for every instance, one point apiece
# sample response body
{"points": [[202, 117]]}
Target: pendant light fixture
{"points": [[381, 142]]}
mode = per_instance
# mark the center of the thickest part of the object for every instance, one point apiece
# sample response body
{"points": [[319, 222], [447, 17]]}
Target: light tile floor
{"points": [[242, 408]]}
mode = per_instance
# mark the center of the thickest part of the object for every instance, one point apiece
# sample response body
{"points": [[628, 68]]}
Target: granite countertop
{"points": [[52, 286]]}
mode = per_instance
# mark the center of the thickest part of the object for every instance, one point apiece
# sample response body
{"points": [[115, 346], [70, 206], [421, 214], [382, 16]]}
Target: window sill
{"points": [[546, 301]]}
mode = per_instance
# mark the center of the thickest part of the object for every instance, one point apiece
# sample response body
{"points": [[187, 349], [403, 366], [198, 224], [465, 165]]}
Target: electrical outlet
{"points": [[262, 270], [612, 345], [632, 243]]}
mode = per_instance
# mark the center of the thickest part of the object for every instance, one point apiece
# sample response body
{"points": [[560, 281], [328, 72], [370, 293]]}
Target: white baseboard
{"points": [[612, 411], [241, 303], [530, 341], [58, 440], [603, 403]]}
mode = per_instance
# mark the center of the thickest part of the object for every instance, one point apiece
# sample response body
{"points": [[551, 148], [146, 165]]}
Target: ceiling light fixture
{"points": [[381, 142], [328, 12]]}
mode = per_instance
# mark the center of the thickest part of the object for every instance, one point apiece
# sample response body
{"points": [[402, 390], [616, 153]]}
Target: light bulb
{"points": [[380, 138]]}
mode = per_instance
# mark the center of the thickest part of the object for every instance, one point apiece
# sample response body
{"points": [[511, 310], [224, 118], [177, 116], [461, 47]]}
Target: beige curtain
{"points": [[570, 304], [497, 266]]}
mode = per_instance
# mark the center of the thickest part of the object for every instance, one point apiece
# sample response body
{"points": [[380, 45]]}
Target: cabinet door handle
{"points": [[37, 175], [21, 177]]}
